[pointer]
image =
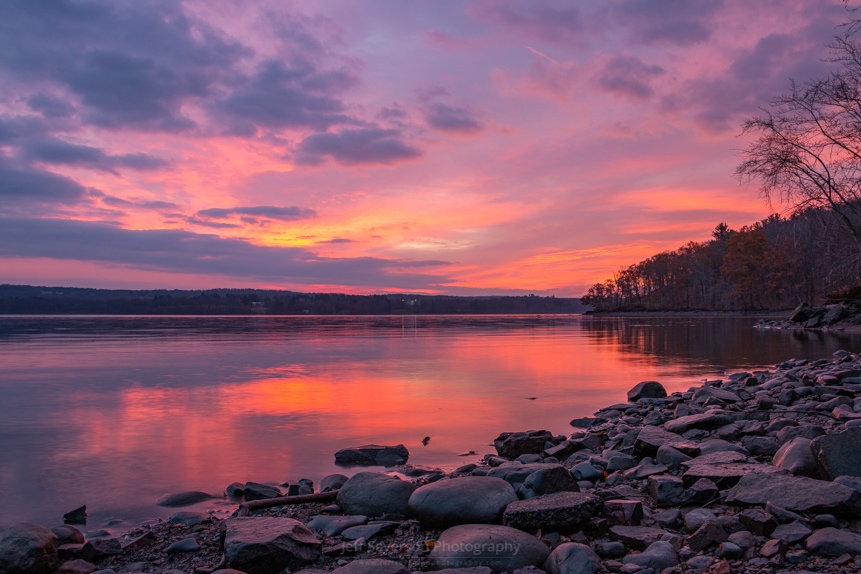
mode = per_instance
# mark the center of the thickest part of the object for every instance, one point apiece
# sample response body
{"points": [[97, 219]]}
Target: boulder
{"points": [[647, 390], [268, 544], [464, 500], [562, 510], [68, 535], [27, 549], [372, 566], [796, 456], [516, 474], [183, 498], [658, 556], [332, 482], [498, 547], [259, 491], [651, 438], [838, 454], [833, 542], [548, 481], [572, 558], [100, 547], [513, 444], [795, 493], [374, 494], [373, 454], [667, 490]]}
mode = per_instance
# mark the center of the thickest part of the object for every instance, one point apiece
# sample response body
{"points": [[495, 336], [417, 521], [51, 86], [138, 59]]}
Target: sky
{"points": [[455, 147]]}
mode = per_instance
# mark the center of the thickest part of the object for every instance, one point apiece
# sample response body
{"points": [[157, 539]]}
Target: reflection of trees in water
{"points": [[720, 342]]}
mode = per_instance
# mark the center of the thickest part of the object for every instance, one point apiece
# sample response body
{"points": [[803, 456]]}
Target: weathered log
{"points": [[247, 508]]}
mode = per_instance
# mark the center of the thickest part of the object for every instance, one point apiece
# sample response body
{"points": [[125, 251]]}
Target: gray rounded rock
{"points": [[28, 549], [796, 457], [572, 558], [332, 482], [68, 535], [373, 494], [647, 390], [464, 500], [548, 481], [658, 555], [183, 498], [498, 547], [833, 542]]}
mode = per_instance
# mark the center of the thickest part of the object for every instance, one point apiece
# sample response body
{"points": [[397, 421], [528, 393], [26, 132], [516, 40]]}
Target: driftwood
{"points": [[247, 508]]}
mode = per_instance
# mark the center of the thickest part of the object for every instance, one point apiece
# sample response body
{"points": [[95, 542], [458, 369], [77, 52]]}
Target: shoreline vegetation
{"points": [[758, 472], [35, 300]]}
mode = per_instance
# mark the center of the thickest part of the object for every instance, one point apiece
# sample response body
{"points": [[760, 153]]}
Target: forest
{"points": [[773, 264]]}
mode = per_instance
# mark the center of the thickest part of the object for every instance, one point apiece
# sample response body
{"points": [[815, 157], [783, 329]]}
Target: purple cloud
{"points": [[629, 76], [537, 20], [365, 146], [291, 213], [58, 152], [452, 119]]}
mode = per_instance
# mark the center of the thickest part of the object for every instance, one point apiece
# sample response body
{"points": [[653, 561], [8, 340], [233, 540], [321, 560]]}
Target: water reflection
{"points": [[114, 412]]}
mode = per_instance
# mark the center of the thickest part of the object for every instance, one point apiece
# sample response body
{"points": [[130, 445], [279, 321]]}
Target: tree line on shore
{"points": [[773, 264], [25, 299]]}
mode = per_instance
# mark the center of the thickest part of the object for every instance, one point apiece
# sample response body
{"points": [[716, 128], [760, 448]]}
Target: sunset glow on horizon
{"points": [[465, 148]]}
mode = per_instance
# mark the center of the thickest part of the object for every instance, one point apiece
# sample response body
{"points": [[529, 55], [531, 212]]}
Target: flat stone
{"points": [[758, 521], [651, 438], [670, 457], [498, 547], [143, 541], [513, 444], [268, 544], [795, 493], [658, 556], [725, 475], [838, 454], [373, 454], [372, 566], [697, 517], [572, 558], [636, 537], [368, 531], [516, 474], [562, 510], [666, 490], [374, 494], [722, 457], [791, 533], [833, 542], [28, 549], [183, 498], [259, 491], [463, 500], [334, 525], [77, 566], [101, 547], [705, 421], [647, 390], [710, 533], [796, 456]]}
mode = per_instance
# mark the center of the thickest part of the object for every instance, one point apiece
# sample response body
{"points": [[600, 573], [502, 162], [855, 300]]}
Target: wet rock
{"points": [[721, 457], [702, 491], [587, 471], [563, 510], [726, 475], [706, 421], [658, 556], [498, 547], [268, 545], [667, 490], [833, 542], [668, 518], [760, 445], [697, 517], [234, 489], [513, 444], [183, 498], [548, 481], [77, 516], [368, 531], [68, 535], [791, 533], [572, 558], [620, 461], [636, 537], [670, 457], [795, 493], [372, 566], [374, 494], [729, 551], [258, 491], [184, 545], [27, 549], [373, 454], [647, 390], [334, 525], [796, 457], [464, 500], [516, 474], [100, 547], [332, 482], [651, 438], [838, 454]]}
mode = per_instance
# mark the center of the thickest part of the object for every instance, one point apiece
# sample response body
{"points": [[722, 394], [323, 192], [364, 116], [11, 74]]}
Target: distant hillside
{"points": [[26, 299]]}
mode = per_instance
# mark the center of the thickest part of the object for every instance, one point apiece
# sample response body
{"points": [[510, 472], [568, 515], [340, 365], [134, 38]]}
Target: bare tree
{"points": [[807, 151]]}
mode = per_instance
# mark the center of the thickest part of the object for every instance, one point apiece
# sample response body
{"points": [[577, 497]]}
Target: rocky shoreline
{"points": [[757, 473]]}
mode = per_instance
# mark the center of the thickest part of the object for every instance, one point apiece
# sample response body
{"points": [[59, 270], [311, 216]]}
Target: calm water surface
{"points": [[114, 412]]}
